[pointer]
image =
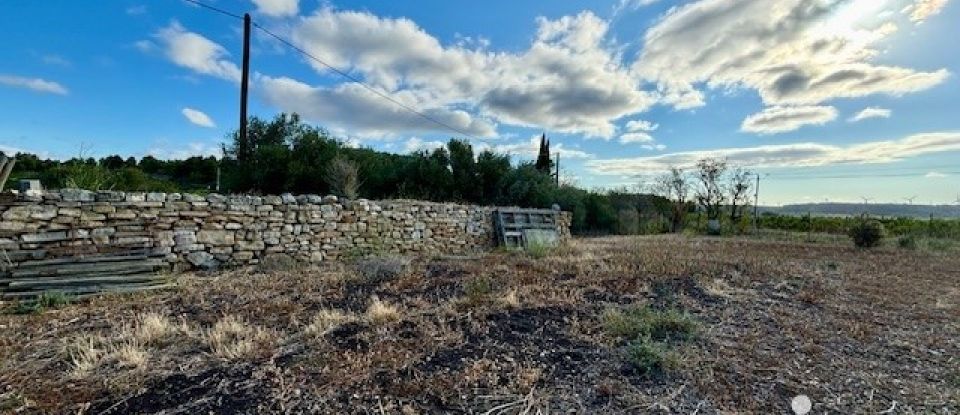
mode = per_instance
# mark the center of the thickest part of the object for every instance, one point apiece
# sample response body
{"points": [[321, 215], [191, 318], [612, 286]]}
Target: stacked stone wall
{"points": [[207, 231]]}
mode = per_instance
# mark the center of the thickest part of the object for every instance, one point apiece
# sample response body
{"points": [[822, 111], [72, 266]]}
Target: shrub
{"points": [[636, 322], [867, 233], [907, 242], [46, 300], [378, 269], [343, 176], [650, 358]]}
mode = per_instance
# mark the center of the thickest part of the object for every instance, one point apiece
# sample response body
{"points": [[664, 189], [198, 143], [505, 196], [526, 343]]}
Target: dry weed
{"points": [[382, 312], [326, 320], [234, 338], [86, 354], [129, 355]]}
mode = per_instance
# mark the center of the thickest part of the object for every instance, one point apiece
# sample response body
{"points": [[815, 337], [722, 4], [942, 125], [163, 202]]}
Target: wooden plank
{"points": [[80, 259], [68, 269], [57, 282], [86, 292], [14, 282]]}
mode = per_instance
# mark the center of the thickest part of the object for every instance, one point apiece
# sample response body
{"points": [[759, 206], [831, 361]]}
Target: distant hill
{"points": [[876, 209]]}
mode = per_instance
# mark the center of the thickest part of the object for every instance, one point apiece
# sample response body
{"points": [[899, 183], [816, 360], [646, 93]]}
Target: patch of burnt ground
{"points": [[219, 390]]}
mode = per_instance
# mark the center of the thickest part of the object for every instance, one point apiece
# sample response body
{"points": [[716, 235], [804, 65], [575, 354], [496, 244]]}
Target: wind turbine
{"points": [[910, 199]]}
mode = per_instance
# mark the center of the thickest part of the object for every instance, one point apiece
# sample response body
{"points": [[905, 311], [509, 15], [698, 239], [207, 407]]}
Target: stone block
{"points": [[216, 237]]}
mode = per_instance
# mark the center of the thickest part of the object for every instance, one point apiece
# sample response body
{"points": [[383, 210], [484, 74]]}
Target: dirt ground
{"points": [[857, 331]]}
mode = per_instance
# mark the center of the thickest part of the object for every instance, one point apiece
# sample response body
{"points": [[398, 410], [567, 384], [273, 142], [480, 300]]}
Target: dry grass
{"points": [[234, 338], [326, 320], [589, 328], [381, 312]]}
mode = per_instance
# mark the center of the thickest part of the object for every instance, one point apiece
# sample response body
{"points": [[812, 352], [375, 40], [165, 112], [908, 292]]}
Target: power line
{"points": [[338, 71], [216, 9]]}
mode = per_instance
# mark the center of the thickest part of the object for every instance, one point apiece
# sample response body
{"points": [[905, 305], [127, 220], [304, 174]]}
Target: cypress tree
{"points": [[543, 156]]}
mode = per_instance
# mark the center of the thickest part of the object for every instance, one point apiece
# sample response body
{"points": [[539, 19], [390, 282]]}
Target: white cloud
{"points": [[637, 137], [871, 112], [144, 45], [197, 53], [164, 151], [935, 175], [572, 78], [565, 81], [641, 125], [34, 84], [789, 155], [353, 107], [793, 52], [197, 117], [530, 148], [277, 8], [921, 10], [415, 144], [782, 119]]}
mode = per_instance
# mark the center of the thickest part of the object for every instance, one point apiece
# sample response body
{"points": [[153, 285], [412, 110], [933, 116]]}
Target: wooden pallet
{"points": [[83, 275], [515, 227]]}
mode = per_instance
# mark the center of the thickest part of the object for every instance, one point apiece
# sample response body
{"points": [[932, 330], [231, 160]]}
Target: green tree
{"points": [[463, 170]]}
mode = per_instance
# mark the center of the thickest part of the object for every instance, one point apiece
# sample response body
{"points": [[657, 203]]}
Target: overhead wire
{"points": [[336, 70]]}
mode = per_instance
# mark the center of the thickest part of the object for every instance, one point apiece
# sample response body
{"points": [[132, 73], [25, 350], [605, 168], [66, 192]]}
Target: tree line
{"points": [[284, 154]]}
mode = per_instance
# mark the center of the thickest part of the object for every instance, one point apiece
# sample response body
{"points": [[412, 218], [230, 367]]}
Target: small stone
{"points": [[77, 195], [156, 197], [288, 199], [216, 198], [44, 237], [190, 197], [109, 196], [136, 197], [203, 260]]}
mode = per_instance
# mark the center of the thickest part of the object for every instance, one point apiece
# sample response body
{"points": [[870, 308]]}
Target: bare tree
{"points": [[675, 186], [709, 193], [738, 189], [343, 176]]}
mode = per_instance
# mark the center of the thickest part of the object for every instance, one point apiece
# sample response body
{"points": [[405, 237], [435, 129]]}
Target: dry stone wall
{"points": [[207, 231]]}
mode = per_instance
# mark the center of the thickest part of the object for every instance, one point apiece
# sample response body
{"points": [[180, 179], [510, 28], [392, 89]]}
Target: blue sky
{"points": [[828, 99]]}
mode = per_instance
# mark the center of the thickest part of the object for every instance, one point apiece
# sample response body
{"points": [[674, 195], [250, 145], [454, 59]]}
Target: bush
{"points": [[46, 300], [650, 358], [636, 322], [867, 233], [907, 242], [343, 176]]}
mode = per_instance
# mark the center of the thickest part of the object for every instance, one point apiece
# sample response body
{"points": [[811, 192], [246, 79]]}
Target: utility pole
{"points": [[244, 79], [756, 206], [558, 170]]}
